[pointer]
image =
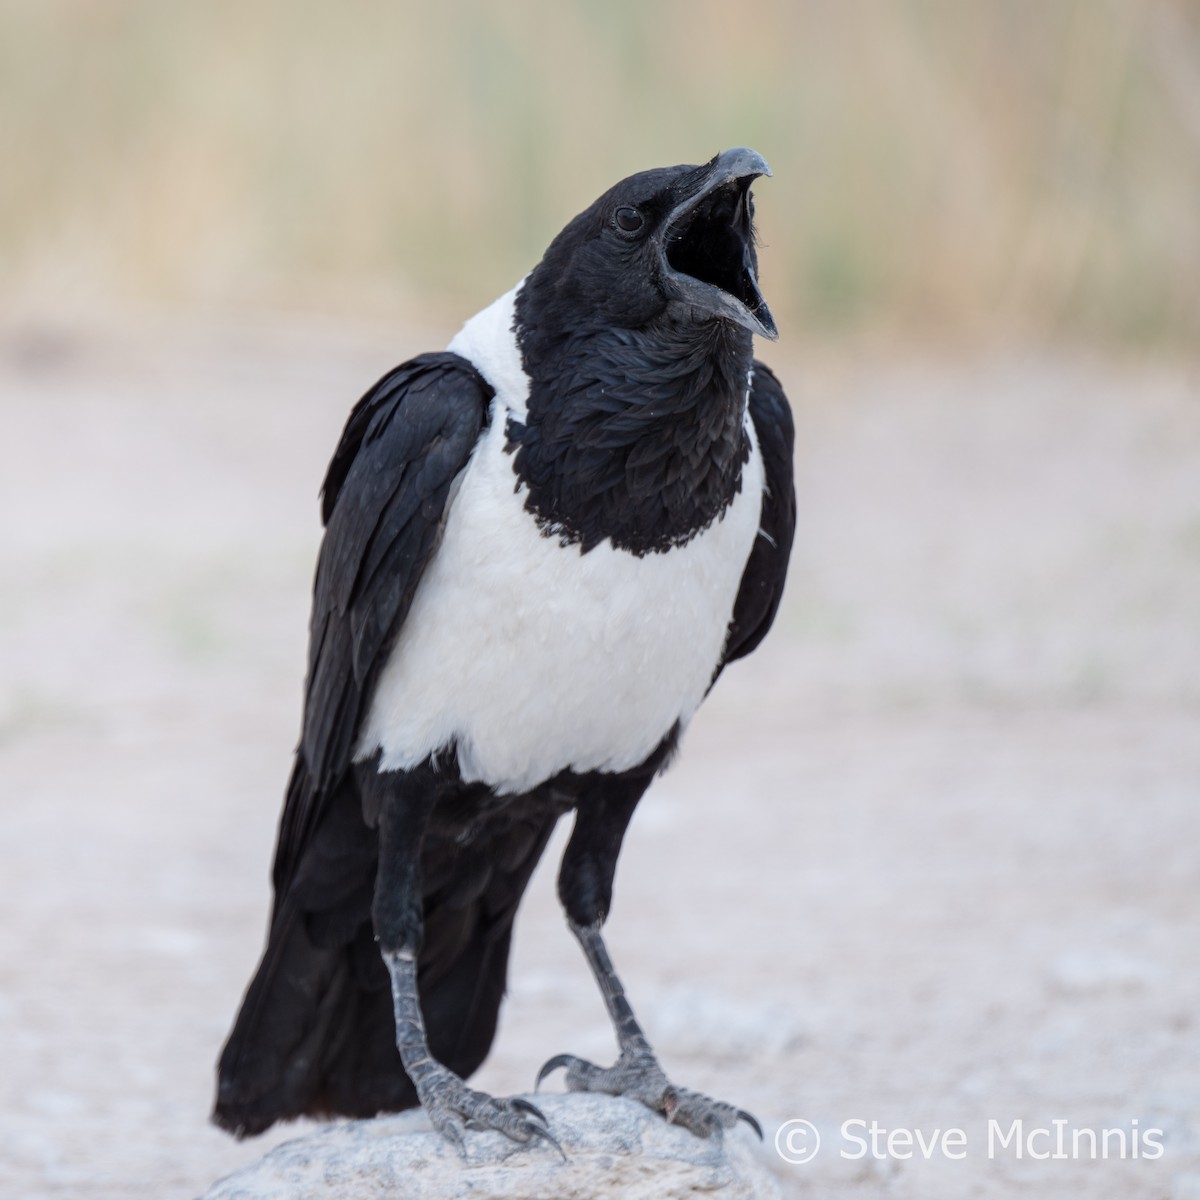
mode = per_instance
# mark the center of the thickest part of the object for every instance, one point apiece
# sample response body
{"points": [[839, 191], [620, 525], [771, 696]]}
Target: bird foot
{"points": [[452, 1107], [639, 1077]]}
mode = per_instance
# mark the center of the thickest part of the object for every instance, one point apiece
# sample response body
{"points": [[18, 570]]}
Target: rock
{"points": [[614, 1148]]}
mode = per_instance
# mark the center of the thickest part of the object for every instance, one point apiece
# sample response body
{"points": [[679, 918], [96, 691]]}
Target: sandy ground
{"points": [[929, 860]]}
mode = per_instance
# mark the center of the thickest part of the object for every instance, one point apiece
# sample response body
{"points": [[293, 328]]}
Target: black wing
{"points": [[762, 581], [383, 503]]}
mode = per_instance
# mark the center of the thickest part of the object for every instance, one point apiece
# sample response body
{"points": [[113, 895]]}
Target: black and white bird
{"points": [[541, 548]]}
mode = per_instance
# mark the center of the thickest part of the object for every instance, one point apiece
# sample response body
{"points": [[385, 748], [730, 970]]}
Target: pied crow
{"points": [[541, 548]]}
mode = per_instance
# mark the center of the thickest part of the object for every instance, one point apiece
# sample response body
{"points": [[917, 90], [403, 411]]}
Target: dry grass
{"points": [[1024, 166]]}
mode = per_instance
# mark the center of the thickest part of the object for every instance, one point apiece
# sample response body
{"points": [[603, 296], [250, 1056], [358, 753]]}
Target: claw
{"points": [[538, 1132], [525, 1107], [559, 1060], [450, 1130], [743, 1115]]}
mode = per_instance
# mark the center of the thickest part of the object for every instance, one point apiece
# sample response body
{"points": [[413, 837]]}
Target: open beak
{"points": [[706, 246]]}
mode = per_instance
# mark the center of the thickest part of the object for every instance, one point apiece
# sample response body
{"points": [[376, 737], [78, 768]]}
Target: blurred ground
{"points": [[928, 859]]}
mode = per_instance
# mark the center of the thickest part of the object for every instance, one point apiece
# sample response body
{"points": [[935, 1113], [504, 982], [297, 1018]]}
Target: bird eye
{"points": [[629, 220]]}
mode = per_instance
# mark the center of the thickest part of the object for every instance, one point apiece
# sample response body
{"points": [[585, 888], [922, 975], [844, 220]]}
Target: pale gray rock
{"points": [[613, 1147]]}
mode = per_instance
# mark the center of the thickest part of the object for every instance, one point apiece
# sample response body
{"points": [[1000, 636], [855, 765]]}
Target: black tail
{"points": [[315, 1034]]}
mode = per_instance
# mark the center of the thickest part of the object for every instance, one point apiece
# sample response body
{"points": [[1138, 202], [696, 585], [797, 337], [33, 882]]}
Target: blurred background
{"points": [[1001, 168], [929, 858]]}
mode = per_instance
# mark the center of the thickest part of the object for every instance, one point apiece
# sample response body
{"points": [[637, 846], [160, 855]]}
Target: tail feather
{"points": [[269, 1068]]}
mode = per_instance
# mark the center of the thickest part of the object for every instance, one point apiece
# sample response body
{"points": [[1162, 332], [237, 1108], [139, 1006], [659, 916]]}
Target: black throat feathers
{"points": [[633, 435]]}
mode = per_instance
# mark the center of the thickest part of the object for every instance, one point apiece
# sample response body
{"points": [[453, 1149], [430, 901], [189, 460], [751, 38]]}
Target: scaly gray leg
{"points": [[585, 882], [447, 1100], [403, 802], [636, 1073]]}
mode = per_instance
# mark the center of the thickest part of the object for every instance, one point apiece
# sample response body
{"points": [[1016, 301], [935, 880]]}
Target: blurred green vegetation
{"points": [[1027, 168]]}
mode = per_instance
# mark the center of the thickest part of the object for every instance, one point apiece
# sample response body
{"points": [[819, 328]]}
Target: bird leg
{"points": [[585, 887], [637, 1073], [449, 1103], [447, 1100]]}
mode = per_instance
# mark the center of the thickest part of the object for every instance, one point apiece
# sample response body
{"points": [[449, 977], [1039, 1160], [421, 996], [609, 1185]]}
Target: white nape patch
{"points": [[532, 657], [488, 341]]}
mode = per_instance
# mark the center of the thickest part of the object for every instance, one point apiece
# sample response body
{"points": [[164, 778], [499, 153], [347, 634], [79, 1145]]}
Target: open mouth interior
{"points": [[710, 242]]}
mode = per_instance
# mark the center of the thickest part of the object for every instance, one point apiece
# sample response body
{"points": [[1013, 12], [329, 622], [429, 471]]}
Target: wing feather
{"points": [[383, 503], [762, 581]]}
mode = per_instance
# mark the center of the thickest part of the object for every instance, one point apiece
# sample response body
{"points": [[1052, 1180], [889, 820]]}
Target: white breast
{"points": [[531, 657]]}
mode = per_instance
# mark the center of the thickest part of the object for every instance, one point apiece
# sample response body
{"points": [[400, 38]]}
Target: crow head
{"points": [[673, 244]]}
